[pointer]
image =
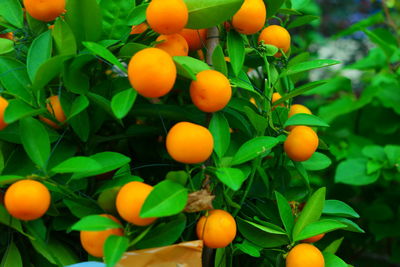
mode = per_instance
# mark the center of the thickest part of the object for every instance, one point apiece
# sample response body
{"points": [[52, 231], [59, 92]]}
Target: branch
{"points": [[212, 42]]}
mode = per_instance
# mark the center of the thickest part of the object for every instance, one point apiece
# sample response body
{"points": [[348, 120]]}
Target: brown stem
{"points": [[212, 42]]}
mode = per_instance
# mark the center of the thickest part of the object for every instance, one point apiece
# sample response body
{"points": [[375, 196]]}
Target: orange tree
{"points": [[134, 124]]}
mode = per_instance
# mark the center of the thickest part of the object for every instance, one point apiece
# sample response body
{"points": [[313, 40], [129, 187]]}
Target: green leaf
{"points": [[137, 15], [7, 219], [259, 237], [80, 104], [219, 129], [354, 172], [108, 161], [103, 52], [81, 125], [309, 65], [76, 81], [319, 227], [48, 71], [393, 154], [339, 208], [259, 146], [131, 49], [35, 140], [38, 53], [259, 122], [273, 7], [95, 223], [164, 234], [218, 60], [11, 12], [114, 247], [82, 207], [334, 246], [167, 198], [302, 89], [332, 260], [6, 46], [231, 177], [318, 161], [271, 228], [12, 257], [84, 19], [305, 119], [207, 13], [17, 109], [64, 38], [285, 212], [188, 67], [236, 51], [14, 78], [351, 226], [249, 248], [300, 21], [122, 102], [77, 164], [311, 213], [114, 13]]}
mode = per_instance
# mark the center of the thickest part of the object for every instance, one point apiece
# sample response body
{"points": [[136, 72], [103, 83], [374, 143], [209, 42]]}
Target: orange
{"points": [[211, 91], [3, 106], [130, 200], [189, 143], [196, 39], [27, 200], [54, 107], [8, 35], [277, 36], [93, 241], [251, 17], [276, 97], [296, 109], [173, 44], [167, 16], [217, 230], [313, 239], [152, 72], [45, 10], [138, 29], [301, 143], [305, 255]]}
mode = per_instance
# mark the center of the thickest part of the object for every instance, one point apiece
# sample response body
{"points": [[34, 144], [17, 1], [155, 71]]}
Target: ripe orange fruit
{"points": [[189, 143], [27, 200], [138, 29], [173, 44], [196, 39], [313, 239], [54, 107], [275, 97], [211, 91], [8, 35], [277, 36], [301, 143], [45, 10], [296, 109], [130, 200], [167, 16], [305, 255], [251, 17], [3, 106], [93, 241], [217, 230], [152, 72]]}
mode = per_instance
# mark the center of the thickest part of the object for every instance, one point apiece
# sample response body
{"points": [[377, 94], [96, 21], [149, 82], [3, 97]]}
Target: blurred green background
{"points": [[361, 102]]}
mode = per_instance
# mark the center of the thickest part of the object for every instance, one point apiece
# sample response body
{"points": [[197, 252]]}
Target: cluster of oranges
{"points": [[302, 141]]}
